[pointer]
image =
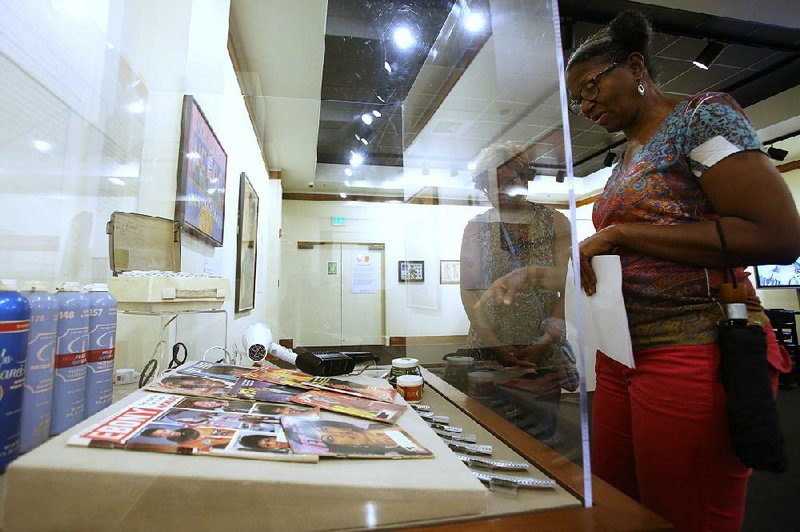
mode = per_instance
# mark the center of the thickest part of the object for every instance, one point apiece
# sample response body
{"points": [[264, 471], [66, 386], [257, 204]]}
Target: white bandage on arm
{"points": [[711, 152]]}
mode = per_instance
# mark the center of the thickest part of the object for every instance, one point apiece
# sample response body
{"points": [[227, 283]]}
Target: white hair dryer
{"points": [[258, 342]]}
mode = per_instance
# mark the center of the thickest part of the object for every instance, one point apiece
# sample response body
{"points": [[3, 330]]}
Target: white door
{"points": [[340, 295], [318, 305], [362, 295]]}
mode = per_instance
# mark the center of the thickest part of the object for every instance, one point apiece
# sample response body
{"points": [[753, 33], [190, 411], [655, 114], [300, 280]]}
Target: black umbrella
{"points": [[752, 415]]}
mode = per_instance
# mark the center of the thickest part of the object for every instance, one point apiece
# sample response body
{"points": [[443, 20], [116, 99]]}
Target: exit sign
{"points": [[337, 220]]}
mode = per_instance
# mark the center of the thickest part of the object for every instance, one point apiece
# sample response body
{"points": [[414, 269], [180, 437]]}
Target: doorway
{"points": [[340, 294]]}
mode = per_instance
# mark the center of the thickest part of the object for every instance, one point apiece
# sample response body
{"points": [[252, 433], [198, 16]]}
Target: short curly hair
{"points": [[496, 155]]}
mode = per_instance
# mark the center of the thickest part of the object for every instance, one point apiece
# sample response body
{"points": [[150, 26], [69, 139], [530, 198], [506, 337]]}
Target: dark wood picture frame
{"points": [[246, 245], [202, 167], [411, 271]]}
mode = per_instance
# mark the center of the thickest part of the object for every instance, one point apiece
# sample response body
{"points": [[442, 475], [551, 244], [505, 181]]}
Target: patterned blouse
{"points": [[489, 250], [669, 303]]}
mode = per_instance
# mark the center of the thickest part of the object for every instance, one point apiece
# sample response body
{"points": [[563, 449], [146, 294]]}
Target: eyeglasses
{"points": [[590, 90]]}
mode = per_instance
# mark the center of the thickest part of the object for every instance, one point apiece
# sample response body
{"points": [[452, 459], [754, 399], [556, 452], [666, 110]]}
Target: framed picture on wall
{"points": [[449, 272], [202, 163], [247, 234], [411, 271]]}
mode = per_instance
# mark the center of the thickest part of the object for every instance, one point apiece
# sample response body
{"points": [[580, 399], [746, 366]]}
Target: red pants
{"points": [[659, 434]]}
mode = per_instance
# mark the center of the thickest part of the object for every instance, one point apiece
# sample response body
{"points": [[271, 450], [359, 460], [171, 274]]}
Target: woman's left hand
{"points": [[600, 243]]}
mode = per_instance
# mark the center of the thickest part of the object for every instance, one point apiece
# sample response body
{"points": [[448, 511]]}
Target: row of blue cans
{"points": [[63, 361]]}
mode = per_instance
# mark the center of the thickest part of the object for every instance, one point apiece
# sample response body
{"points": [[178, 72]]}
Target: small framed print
{"points": [[411, 271], [449, 272]]}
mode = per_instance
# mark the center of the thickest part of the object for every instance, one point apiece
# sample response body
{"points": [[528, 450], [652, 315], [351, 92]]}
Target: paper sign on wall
{"points": [[364, 277], [333, 267]]}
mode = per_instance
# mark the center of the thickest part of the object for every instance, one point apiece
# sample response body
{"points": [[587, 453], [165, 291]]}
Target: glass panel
{"points": [[422, 141]]}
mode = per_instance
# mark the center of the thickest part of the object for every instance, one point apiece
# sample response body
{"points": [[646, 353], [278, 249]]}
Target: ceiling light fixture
{"points": [[609, 158], [387, 66], [42, 145], [367, 118], [356, 158], [708, 55], [342, 195], [403, 38], [377, 113], [777, 153], [474, 22]]}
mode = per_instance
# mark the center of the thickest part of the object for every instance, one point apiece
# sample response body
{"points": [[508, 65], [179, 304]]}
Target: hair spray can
{"points": [[15, 316], [69, 384], [100, 356], [37, 399]]}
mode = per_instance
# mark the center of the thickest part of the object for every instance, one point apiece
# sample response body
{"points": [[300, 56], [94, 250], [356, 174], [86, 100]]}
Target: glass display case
{"points": [[412, 168]]}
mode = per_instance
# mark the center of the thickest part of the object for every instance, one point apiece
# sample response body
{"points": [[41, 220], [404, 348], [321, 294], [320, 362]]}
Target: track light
{"points": [[777, 153], [560, 175], [609, 158], [708, 55]]}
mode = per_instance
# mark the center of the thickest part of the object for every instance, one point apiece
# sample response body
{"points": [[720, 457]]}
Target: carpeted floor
{"points": [[773, 500]]}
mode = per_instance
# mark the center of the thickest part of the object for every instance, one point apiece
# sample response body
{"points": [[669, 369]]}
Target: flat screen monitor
{"points": [[778, 275]]}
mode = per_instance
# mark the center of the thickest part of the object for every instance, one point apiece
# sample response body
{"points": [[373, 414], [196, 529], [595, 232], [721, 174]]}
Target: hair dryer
{"points": [[258, 342]]}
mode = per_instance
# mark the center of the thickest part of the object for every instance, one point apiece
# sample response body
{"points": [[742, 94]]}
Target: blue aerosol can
{"points": [[15, 321], [37, 399], [100, 355], [69, 383]]}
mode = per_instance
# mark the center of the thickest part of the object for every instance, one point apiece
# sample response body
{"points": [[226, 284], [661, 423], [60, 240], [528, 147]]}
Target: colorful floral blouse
{"points": [[670, 303]]}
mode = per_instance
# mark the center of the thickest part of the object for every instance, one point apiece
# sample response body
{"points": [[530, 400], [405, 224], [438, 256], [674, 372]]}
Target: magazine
{"points": [[215, 370], [165, 423], [254, 390], [302, 380], [352, 439], [196, 385], [352, 406]]}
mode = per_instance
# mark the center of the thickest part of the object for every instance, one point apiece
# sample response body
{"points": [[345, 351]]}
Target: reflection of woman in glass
{"points": [[531, 241]]}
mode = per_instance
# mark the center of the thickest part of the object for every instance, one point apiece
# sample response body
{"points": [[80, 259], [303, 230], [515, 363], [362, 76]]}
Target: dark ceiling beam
{"points": [[688, 23]]}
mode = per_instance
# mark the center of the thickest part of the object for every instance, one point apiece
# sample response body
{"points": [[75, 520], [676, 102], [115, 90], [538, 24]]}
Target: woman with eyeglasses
{"points": [[659, 431], [517, 238]]}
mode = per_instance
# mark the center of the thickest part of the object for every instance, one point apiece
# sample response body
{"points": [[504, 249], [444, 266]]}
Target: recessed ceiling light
{"points": [[376, 113], [387, 66], [364, 141], [367, 118], [403, 38], [474, 22], [356, 158], [708, 55], [342, 195], [42, 146], [116, 181], [348, 172]]}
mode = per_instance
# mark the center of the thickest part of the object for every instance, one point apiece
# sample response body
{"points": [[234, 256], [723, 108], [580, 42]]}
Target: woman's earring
{"points": [[640, 88]]}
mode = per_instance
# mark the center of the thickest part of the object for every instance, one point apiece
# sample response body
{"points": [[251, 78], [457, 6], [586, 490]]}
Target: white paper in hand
{"points": [[605, 320]]}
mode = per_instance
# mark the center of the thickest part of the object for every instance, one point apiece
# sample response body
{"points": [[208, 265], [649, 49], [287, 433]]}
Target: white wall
{"points": [[410, 232], [70, 79]]}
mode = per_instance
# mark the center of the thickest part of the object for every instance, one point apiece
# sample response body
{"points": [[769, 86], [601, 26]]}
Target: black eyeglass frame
{"points": [[592, 85]]}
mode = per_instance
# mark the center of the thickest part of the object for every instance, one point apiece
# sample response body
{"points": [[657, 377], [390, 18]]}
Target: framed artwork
{"points": [[449, 272], [411, 271], [247, 234], [202, 163]]}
